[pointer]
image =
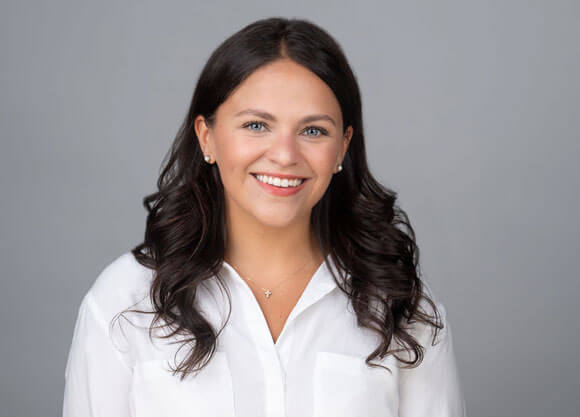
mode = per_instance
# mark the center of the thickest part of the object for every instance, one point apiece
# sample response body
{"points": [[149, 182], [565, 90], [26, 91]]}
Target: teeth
{"points": [[279, 182]]}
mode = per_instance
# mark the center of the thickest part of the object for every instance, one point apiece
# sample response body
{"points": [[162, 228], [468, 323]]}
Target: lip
{"points": [[272, 174], [279, 191]]}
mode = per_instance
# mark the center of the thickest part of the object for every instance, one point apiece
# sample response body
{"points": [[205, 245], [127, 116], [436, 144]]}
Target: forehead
{"points": [[283, 87]]}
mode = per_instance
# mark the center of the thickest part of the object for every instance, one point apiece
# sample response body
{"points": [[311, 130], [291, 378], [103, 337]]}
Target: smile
{"points": [[279, 182], [286, 186]]}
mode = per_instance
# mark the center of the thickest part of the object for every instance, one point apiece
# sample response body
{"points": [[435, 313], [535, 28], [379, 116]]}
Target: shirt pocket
{"points": [[345, 386], [156, 392]]}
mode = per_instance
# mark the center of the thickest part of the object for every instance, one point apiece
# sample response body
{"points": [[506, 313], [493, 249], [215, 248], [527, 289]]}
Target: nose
{"points": [[284, 149]]}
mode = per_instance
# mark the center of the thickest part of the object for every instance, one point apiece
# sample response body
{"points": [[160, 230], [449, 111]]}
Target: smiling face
{"points": [[282, 120]]}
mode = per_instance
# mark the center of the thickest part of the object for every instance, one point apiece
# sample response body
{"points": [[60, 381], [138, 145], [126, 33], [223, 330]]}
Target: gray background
{"points": [[471, 114]]}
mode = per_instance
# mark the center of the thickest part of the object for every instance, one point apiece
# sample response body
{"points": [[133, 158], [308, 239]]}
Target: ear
{"points": [[346, 141], [202, 131]]}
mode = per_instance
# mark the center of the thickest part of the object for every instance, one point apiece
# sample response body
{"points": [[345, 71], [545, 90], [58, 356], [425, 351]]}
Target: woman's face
{"points": [[280, 121]]}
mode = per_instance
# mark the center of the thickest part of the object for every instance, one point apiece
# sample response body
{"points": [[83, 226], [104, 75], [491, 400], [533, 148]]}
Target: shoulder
{"points": [[428, 335], [427, 307], [429, 304], [121, 284]]}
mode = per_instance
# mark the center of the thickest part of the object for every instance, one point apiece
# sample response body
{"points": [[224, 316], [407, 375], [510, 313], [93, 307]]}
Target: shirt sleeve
{"points": [[97, 379], [433, 388]]}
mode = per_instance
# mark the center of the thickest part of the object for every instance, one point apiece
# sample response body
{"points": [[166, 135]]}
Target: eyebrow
{"points": [[268, 116]]}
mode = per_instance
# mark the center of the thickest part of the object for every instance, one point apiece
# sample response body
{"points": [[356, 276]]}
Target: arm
{"points": [[433, 388], [97, 379]]}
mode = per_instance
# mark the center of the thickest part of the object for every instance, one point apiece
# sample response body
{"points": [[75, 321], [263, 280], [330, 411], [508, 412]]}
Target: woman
{"points": [[277, 277]]}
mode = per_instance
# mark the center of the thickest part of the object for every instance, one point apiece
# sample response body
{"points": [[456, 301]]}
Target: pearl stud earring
{"points": [[339, 167], [207, 158]]}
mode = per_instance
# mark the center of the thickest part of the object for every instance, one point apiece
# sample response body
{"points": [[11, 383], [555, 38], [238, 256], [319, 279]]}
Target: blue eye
{"points": [[322, 131], [251, 123]]}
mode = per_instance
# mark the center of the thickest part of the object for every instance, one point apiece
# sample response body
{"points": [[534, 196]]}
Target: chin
{"points": [[277, 219], [276, 222]]}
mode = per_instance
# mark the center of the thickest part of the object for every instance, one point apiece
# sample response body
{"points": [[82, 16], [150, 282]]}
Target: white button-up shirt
{"points": [[316, 367]]}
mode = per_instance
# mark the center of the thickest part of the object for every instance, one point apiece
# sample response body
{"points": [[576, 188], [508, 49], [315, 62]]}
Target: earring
{"points": [[339, 167], [207, 158]]}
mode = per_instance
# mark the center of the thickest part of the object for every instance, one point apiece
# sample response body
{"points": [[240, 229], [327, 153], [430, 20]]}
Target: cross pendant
{"points": [[268, 293]]}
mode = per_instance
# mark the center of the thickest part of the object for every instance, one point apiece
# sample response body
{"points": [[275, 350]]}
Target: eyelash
{"points": [[323, 131]]}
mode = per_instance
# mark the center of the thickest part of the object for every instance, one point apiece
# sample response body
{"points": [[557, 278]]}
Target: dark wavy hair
{"points": [[356, 221]]}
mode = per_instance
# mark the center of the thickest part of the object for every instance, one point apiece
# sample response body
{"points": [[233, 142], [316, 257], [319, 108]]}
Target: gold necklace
{"points": [[267, 292]]}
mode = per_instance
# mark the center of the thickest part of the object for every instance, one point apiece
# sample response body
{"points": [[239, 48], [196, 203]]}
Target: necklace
{"points": [[268, 292]]}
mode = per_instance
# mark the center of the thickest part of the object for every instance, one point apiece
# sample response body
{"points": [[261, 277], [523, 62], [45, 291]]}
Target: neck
{"points": [[253, 246]]}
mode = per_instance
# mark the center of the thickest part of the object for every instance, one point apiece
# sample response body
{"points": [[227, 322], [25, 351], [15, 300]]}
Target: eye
{"points": [[253, 123], [321, 130], [256, 123]]}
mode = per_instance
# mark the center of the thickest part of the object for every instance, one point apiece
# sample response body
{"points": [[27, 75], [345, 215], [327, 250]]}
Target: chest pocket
{"points": [[156, 392], [345, 386]]}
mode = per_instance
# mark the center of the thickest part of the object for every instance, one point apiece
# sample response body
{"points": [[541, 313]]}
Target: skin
{"points": [[268, 236]]}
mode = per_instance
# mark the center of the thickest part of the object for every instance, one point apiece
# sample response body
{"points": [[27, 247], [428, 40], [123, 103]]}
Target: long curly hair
{"points": [[356, 221]]}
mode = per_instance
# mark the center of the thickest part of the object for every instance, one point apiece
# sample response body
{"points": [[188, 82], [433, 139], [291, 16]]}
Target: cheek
{"points": [[324, 159], [235, 155]]}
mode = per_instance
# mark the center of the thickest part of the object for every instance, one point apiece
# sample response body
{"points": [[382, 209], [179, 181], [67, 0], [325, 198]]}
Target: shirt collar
{"points": [[320, 284]]}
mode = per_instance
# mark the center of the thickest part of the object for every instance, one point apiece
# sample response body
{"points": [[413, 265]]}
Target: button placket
{"points": [[274, 381], [271, 353], [273, 384]]}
